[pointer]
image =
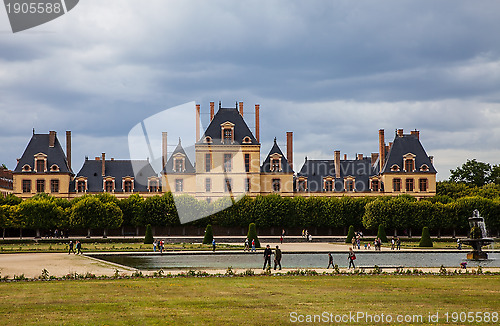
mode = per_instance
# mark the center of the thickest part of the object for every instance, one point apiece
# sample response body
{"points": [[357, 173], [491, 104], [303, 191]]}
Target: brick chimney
{"points": [[68, 148], [345, 157], [212, 105], [197, 122], [336, 161], [400, 132], [289, 148], [103, 164], [360, 157], [241, 108], [163, 149], [415, 133], [374, 157], [52, 138], [381, 148], [257, 121]]}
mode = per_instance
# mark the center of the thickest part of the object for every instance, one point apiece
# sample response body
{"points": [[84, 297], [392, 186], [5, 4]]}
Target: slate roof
{"points": [[169, 166], [316, 170], [266, 166], [39, 143], [404, 145], [241, 129], [92, 170]]}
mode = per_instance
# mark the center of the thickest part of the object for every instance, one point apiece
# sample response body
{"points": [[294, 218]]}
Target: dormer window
{"points": [[328, 184], [395, 168], [40, 163], [301, 184], [81, 185], [26, 168], [409, 162], [54, 168], [424, 168], [349, 184], [109, 184], [247, 140], [275, 163], [227, 130], [208, 140], [153, 184], [128, 184], [179, 163]]}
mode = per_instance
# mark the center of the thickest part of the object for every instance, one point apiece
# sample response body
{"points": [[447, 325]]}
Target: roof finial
{"points": [[274, 140], [33, 131], [179, 140], [219, 104]]}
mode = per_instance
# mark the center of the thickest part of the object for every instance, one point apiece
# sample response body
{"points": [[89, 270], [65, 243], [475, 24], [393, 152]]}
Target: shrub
{"points": [[381, 233], [148, 238], [425, 241], [209, 235], [252, 234], [350, 234]]}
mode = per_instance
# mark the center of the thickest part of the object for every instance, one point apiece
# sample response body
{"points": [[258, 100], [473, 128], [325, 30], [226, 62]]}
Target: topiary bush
{"points": [[209, 235], [350, 234], [252, 234], [425, 241], [381, 233], [148, 238]]}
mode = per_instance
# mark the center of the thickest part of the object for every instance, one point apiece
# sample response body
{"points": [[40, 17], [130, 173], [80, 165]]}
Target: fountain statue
{"points": [[478, 237]]}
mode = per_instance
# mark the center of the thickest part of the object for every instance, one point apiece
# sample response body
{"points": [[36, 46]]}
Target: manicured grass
{"points": [[258, 300], [63, 247]]}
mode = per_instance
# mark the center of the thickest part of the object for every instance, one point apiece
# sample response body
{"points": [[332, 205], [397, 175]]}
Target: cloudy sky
{"points": [[333, 72]]}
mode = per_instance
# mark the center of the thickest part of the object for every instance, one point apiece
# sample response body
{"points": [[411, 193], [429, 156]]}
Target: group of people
{"points": [[395, 243], [267, 257], [72, 246], [247, 245], [351, 257], [160, 244], [307, 235]]}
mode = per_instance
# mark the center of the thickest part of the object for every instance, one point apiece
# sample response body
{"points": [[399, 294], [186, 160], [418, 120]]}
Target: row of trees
{"points": [[105, 211]]}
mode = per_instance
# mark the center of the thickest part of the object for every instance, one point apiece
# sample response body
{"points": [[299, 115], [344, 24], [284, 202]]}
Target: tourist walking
{"points": [[253, 245], [71, 247], [161, 246], [267, 257], [393, 243], [459, 244], [247, 247], [78, 247], [277, 257], [398, 244], [351, 258], [213, 245], [330, 260], [155, 243]]}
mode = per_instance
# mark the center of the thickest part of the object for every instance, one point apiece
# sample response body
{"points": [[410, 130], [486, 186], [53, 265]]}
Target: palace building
{"points": [[227, 164]]}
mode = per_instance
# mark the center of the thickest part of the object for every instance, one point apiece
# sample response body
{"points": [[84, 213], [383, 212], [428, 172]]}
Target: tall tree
{"points": [[472, 173]]}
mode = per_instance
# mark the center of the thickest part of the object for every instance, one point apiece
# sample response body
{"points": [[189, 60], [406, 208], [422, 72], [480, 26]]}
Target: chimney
{"points": [[400, 132], [112, 159], [103, 164], [241, 109], [387, 148], [360, 157], [197, 122], [390, 146], [381, 148], [97, 158], [415, 133], [212, 104], [336, 161], [289, 148], [163, 149], [374, 157], [68, 148], [345, 157], [257, 121], [52, 138]]}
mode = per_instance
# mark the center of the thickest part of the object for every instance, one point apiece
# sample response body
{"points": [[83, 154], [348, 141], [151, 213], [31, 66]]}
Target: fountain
{"points": [[478, 237]]}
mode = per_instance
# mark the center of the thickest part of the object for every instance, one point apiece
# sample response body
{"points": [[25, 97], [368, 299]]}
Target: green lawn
{"points": [[63, 247], [258, 300]]}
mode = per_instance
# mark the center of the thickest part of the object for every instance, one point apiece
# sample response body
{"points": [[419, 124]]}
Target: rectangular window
{"points": [[178, 165], [153, 186], [26, 185], [409, 165], [423, 185], [247, 162], [329, 185], [40, 165], [208, 185], [80, 186], [302, 185], [275, 165], [227, 163], [109, 186], [396, 184], [54, 185], [40, 185], [127, 186], [228, 135], [228, 185], [247, 185], [375, 185], [179, 185], [349, 185], [276, 185], [409, 185], [208, 162]]}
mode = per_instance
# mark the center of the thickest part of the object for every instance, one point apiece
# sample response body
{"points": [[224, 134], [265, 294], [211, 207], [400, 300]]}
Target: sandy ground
{"points": [[60, 264]]}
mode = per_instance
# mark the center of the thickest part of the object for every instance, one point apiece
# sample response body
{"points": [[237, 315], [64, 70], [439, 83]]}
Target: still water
{"points": [[297, 260]]}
